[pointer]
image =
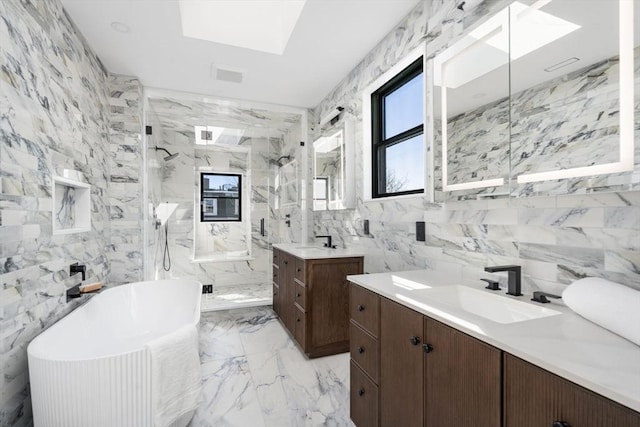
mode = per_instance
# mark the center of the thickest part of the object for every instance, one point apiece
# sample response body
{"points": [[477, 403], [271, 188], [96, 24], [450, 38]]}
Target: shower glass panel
{"points": [[222, 188]]}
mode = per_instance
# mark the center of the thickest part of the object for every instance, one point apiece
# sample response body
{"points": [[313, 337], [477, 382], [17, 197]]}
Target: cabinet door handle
{"points": [[360, 307], [298, 295], [360, 350], [428, 348], [560, 424], [298, 319], [286, 262], [414, 340], [298, 270], [361, 392]]}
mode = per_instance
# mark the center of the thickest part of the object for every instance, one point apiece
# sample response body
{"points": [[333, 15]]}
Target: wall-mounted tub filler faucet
{"points": [[513, 278], [76, 268], [328, 242]]}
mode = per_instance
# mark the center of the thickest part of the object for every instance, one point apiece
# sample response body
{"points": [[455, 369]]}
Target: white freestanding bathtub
{"points": [[94, 367]]}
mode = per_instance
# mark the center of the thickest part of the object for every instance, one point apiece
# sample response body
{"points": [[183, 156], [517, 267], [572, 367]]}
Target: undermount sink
{"points": [[497, 308]]}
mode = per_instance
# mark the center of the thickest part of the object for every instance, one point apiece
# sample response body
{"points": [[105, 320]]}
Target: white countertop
{"points": [[566, 344], [307, 251]]}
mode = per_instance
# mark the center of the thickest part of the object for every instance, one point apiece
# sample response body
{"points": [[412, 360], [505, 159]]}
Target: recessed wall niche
{"points": [[71, 206]]}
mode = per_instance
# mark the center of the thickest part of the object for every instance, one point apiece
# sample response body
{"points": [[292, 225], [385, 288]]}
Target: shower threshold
{"points": [[237, 296]]}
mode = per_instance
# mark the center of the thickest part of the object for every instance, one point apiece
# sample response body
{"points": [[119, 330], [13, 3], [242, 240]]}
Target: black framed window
{"points": [[220, 197], [397, 112]]}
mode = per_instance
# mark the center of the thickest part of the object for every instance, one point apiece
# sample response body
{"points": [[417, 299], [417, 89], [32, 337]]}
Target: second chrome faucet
{"points": [[513, 280]]}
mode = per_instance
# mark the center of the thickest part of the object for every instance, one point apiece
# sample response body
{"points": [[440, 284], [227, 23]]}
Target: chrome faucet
{"points": [[513, 278], [328, 242]]}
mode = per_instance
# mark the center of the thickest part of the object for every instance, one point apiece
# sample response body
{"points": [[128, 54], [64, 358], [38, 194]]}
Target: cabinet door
{"points": [[401, 366], [462, 379], [537, 398]]}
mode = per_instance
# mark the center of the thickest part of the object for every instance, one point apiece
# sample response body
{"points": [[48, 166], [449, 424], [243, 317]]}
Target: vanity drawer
{"points": [[300, 295], [298, 273], [364, 307], [364, 399], [364, 351], [300, 326]]}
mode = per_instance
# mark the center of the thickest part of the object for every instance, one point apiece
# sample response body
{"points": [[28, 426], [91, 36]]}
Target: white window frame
{"points": [[367, 175]]}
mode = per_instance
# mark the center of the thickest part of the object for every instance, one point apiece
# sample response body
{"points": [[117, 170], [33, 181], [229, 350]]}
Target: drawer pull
{"points": [[298, 295], [298, 319], [286, 262], [360, 307], [360, 350], [298, 270], [428, 348], [361, 392], [560, 424], [414, 340]]}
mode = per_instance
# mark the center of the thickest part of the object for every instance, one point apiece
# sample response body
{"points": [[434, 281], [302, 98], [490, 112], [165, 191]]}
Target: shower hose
{"points": [[166, 259]]}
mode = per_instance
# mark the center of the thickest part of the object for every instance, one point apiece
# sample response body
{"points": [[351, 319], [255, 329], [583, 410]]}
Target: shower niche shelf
{"points": [[71, 206]]}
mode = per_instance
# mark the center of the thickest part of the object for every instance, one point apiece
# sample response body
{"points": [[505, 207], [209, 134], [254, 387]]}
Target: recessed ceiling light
{"points": [[120, 27]]}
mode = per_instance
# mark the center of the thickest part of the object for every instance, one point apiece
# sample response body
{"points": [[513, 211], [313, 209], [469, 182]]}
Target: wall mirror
{"points": [[333, 159], [540, 98]]}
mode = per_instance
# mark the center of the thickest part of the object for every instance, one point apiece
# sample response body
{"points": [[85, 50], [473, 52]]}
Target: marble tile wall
{"points": [[557, 239], [54, 117], [125, 181]]}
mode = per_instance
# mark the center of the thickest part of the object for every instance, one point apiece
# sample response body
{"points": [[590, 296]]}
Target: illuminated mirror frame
{"points": [[440, 64], [347, 165], [626, 148]]}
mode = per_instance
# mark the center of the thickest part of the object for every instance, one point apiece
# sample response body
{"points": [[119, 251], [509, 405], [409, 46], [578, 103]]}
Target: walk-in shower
{"points": [[228, 193]]}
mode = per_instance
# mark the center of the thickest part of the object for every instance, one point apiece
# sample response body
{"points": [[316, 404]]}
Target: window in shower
{"points": [[220, 197]]}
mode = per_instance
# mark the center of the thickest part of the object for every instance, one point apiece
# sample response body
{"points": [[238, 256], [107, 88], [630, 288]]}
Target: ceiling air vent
{"points": [[227, 74]]}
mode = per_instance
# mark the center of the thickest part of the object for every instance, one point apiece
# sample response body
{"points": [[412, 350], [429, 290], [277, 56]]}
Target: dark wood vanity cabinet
{"points": [[401, 365], [433, 375], [427, 374], [311, 298], [364, 308], [462, 379], [411, 370], [534, 397]]}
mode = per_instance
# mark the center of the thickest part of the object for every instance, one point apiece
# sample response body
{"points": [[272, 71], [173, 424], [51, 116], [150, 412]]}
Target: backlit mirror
{"points": [[333, 169], [537, 97], [572, 103]]}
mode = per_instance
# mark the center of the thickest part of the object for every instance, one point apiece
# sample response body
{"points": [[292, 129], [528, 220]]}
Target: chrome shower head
{"points": [[169, 156]]}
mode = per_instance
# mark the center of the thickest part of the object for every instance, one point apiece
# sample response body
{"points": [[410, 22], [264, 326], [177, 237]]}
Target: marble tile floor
{"points": [[237, 296], [253, 375]]}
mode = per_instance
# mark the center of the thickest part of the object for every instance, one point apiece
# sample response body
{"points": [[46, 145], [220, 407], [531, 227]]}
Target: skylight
{"points": [[264, 25], [209, 135]]}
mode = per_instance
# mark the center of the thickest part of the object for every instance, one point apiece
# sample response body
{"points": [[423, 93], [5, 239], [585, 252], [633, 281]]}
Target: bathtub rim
{"points": [[33, 350]]}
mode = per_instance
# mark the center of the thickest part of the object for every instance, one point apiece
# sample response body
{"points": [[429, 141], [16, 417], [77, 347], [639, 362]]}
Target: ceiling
{"points": [[330, 38]]}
